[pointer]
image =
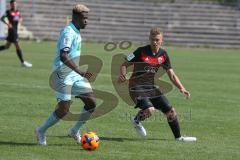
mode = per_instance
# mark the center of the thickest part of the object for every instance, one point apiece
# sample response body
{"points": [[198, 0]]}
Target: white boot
{"points": [[26, 64], [41, 138], [75, 135], [139, 128], [186, 139]]}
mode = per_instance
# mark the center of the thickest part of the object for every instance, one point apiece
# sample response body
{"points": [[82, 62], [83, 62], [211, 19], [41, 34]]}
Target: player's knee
{"points": [[141, 116], [62, 109], [149, 111], [17, 46], [146, 113], [61, 112], [91, 104], [172, 114]]}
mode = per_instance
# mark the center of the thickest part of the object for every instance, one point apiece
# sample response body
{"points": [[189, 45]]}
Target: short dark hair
{"points": [[12, 1]]}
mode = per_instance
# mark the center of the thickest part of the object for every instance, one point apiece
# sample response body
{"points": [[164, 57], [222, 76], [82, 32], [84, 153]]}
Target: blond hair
{"points": [[78, 8], [155, 31]]}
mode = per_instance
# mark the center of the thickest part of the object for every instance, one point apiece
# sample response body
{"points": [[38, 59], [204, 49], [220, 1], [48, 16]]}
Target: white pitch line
{"points": [[24, 85]]}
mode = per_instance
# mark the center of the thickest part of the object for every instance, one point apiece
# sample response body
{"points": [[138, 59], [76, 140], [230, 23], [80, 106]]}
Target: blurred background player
{"points": [[147, 97], [68, 79], [13, 18]]}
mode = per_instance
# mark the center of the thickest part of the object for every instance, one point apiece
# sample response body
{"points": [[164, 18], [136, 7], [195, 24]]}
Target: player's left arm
{"points": [[173, 77], [176, 81], [71, 64], [65, 45]]}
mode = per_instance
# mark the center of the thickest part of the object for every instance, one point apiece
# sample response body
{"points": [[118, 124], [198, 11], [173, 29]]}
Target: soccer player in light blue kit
{"points": [[67, 79]]}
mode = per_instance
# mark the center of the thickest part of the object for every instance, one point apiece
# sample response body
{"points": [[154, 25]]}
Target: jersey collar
{"points": [[151, 53], [74, 28]]}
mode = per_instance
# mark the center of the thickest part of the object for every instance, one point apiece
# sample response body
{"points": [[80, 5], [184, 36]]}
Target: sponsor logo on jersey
{"points": [[130, 56], [150, 69], [66, 41], [160, 60]]}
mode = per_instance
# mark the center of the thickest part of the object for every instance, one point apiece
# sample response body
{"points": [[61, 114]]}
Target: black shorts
{"points": [[12, 36], [149, 96], [160, 103]]}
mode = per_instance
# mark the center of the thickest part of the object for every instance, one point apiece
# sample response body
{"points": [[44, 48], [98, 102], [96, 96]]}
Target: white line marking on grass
{"points": [[24, 85]]}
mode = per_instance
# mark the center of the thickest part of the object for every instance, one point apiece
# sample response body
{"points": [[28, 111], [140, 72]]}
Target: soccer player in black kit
{"points": [[146, 61], [13, 16]]}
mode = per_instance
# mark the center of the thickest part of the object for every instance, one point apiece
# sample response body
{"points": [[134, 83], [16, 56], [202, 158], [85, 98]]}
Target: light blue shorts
{"points": [[71, 85]]}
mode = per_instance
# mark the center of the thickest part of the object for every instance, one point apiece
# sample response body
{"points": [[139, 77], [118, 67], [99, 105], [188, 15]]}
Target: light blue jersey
{"points": [[70, 38], [67, 82]]}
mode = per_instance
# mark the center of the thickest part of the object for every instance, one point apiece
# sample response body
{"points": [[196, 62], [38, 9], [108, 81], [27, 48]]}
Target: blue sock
{"points": [[52, 119], [84, 116]]}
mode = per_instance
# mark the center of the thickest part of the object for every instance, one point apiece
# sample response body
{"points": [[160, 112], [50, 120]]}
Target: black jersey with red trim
{"points": [[13, 17], [146, 65]]}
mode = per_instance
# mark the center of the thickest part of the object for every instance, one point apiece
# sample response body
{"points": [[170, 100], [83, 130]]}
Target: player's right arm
{"points": [[132, 57], [123, 71], [3, 19]]}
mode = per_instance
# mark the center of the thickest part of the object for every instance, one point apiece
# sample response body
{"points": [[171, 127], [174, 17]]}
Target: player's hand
{"points": [[87, 75], [185, 92], [9, 25], [121, 78]]}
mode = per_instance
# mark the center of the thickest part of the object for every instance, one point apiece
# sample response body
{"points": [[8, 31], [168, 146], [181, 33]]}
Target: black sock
{"points": [[2, 48], [174, 125], [140, 116], [19, 54], [136, 119]]}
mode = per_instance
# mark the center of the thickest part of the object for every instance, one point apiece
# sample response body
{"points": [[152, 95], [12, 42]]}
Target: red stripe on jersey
{"points": [[15, 13], [153, 60], [162, 59]]}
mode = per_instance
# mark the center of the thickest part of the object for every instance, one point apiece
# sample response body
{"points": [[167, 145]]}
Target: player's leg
{"points": [[6, 46], [9, 40], [61, 110], [162, 103], [63, 97], [20, 55], [89, 101], [82, 89], [174, 124], [13, 38], [146, 111], [19, 52], [141, 116]]}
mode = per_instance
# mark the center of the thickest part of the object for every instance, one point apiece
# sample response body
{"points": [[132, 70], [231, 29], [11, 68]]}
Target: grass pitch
{"points": [[212, 113]]}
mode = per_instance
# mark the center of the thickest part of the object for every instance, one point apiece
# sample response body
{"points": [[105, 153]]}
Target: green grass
{"points": [[212, 113]]}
